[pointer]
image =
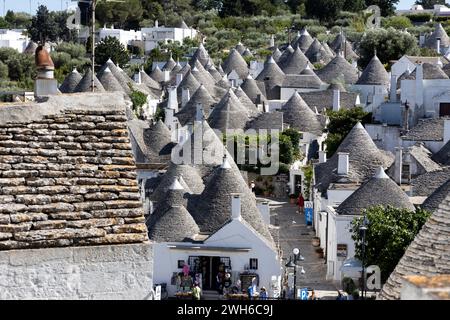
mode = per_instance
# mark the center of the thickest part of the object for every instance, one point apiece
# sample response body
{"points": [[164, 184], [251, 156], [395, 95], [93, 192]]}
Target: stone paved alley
{"points": [[292, 232]]}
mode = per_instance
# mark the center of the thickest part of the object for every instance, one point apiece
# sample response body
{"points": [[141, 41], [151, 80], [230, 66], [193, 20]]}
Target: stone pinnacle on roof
{"points": [[374, 74], [176, 185]]}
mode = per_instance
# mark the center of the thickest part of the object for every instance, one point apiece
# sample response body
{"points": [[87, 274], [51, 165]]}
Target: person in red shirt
{"points": [[300, 203]]}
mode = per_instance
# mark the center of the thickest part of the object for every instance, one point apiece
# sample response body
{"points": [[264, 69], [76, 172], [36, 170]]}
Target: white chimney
{"points": [[446, 130], [169, 117], [185, 96], [398, 165], [419, 85], [175, 136], [421, 40], [156, 24], [138, 78], [172, 101], [322, 156], [393, 92], [236, 206], [179, 78], [336, 100], [438, 45], [343, 163], [264, 209], [199, 112], [166, 76], [272, 41]]}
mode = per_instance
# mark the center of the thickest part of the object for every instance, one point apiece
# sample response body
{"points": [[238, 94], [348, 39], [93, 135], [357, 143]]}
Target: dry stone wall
{"points": [[67, 174]]}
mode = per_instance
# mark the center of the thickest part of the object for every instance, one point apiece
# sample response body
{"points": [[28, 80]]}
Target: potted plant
{"points": [[320, 252], [315, 241]]}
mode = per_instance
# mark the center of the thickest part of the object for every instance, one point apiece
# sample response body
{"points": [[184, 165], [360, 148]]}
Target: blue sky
{"points": [[24, 5]]}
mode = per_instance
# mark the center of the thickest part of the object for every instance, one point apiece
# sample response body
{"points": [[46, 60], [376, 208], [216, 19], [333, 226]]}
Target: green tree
{"points": [[138, 99], [75, 50], [43, 26], [111, 48], [152, 10], [315, 8], [126, 14], [389, 233], [354, 5], [429, 4], [3, 71], [4, 24], [387, 7], [397, 22], [341, 122], [389, 44]]}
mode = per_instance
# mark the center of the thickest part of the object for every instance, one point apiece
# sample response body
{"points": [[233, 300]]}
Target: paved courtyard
{"points": [[290, 231]]}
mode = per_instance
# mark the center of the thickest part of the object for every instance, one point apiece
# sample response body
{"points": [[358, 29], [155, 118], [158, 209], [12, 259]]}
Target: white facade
{"points": [[237, 241], [14, 39], [126, 37], [152, 36], [372, 96], [338, 234]]}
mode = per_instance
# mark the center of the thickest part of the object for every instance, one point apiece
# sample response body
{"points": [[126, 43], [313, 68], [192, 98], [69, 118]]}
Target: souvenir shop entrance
{"points": [[211, 269]]}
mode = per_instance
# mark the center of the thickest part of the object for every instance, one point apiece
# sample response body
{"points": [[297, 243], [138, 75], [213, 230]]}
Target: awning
{"points": [[351, 266]]}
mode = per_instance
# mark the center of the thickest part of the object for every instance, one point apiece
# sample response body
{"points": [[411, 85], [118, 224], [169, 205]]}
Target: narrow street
{"points": [[292, 232]]}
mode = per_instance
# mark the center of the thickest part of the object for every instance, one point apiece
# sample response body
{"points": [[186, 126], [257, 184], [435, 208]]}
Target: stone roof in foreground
{"points": [[427, 255], [67, 174]]}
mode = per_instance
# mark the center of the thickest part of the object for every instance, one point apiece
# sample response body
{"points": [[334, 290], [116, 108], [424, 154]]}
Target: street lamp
{"points": [[293, 264], [363, 231]]}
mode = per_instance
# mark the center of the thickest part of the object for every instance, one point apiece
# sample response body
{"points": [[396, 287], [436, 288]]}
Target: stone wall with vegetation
{"points": [[67, 174]]}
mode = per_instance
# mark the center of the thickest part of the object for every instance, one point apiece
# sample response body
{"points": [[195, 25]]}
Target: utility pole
{"points": [[94, 3]]}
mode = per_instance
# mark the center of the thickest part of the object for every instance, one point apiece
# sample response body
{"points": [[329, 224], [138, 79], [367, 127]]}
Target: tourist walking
{"points": [[301, 203]]}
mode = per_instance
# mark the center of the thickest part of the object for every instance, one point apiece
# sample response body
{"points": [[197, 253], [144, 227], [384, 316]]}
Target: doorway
{"points": [[210, 268], [297, 184], [444, 109]]}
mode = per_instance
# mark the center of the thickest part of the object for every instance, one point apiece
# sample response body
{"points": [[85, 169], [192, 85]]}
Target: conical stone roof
{"points": [[191, 181], [276, 55], [304, 41], [213, 207], [318, 54], [300, 116], [109, 82], [121, 77], [149, 81], [188, 82], [158, 143], [439, 32], [251, 89], [273, 78], [237, 63], [201, 54], [364, 159], [338, 69], [214, 73], [229, 113], [295, 63], [379, 190], [252, 110], [70, 82], [157, 75], [374, 74], [240, 48], [170, 64], [171, 222], [285, 55], [432, 202], [188, 113], [86, 82], [203, 76]]}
